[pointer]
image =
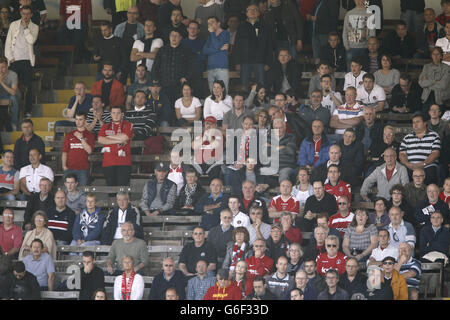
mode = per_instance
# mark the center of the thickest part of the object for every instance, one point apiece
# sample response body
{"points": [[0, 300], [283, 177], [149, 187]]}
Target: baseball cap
{"points": [[211, 119], [276, 225], [155, 83], [162, 166]]}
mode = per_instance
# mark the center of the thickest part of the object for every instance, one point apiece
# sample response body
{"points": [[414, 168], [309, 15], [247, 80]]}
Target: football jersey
{"points": [[341, 189], [325, 263], [352, 81], [291, 205], [371, 99], [340, 223], [346, 112]]}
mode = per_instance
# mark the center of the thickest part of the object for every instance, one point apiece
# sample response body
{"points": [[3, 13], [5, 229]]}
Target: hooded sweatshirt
{"points": [[230, 292]]}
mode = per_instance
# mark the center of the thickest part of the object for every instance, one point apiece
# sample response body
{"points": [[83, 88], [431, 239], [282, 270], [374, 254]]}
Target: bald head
{"points": [[335, 153]]}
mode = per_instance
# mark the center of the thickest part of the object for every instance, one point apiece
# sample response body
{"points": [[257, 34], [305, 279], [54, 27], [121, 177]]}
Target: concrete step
{"points": [[53, 109], [45, 123], [84, 69]]}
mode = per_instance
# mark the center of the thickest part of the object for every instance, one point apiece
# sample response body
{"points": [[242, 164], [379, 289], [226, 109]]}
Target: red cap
{"points": [[211, 119]]}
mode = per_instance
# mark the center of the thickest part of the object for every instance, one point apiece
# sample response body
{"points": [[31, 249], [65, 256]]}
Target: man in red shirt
{"points": [[10, 234], [283, 202], [259, 264], [292, 234], [109, 88], [343, 217], [332, 259], [335, 186], [444, 17], [75, 21], [116, 137], [78, 145]]}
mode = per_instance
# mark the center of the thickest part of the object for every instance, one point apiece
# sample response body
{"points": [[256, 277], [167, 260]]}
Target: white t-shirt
{"points": [[371, 99], [188, 113], [138, 44], [33, 176], [444, 43], [241, 220], [328, 103], [217, 110], [344, 112], [352, 81], [379, 254]]}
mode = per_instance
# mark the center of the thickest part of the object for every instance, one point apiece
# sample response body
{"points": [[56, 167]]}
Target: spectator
{"points": [[323, 68], [283, 202], [316, 245], [257, 100], [352, 154], [234, 118], [8, 90], [259, 264], [216, 49], [116, 138], [434, 80], [302, 283], [342, 219], [9, 177], [432, 203], [434, 238], [221, 235], [159, 194], [333, 291], [393, 278], [334, 52], [354, 78], [78, 145], [199, 285], [296, 259], [324, 20], [400, 43], [370, 130], [353, 281], [384, 249], [335, 185], [129, 285], [283, 75], [123, 212], [27, 141], [445, 15], [92, 277], [444, 195], [380, 217], [253, 46], [348, 115], [303, 188], [141, 83], [188, 108], [410, 269], [293, 100], [110, 89], [250, 197], [176, 18], [235, 7], [239, 279], [75, 199], [168, 278], [332, 258], [322, 221], [421, 149], [88, 224], [356, 36], [31, 175], [321, 201], [200, 249], [148, 10], [330, 99], [431, 32], [61, 219], [237, 250], [40, 264], [315, 110], [107, 49], [10, 235], [99, 294], [258, 229], [372, 62], [284, 19], [218, 103], [277, 244], [205, 10], [5, 22], [210, 205], [444, 42], [400, 230], [320, 172], [190, 193], [360, 237], [398, 200], [97, 116], [387, 77], [223, 289], [20, 53], [436, 124], [159, 101], [165, 11], [406, 96], [376, 288], [291, 232], [240, 219], [280, 282], [371, 94], [142, 119], [80, 102], [377, 150], [25, 285], [385, 176], [41, 200], [260, 290]]}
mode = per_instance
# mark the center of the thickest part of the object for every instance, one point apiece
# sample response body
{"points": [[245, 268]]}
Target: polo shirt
{"points": [[191, 254], [340, 223], [346, 112], [10, 239], [7, 178], [77, 157], [40, 268], [328, 103], [113, 155], [352, 81], [371, 99], [379, 254], [444, 43], [33, 176], [241, 220], [291, 205], [404, 233]]}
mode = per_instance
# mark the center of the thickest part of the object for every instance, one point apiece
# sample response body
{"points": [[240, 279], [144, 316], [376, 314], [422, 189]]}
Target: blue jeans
{"points": [[354, 53], [318, 41], [218, 74], [9, 197], [14, 109], [247, 68], [82, 176]]}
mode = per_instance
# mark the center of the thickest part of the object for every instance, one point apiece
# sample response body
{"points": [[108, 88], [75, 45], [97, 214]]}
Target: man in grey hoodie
{"points": [[76, 199], [356, 32]]}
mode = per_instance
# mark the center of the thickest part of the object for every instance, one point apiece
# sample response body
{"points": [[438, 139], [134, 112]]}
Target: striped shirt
{"points": [[197, 288], [417, 149], [143, 122], [412, 265], [347, 112], [106, 118]]}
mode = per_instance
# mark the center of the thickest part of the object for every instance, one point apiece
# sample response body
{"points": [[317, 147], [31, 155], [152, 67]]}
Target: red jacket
{"points": [[293, 235], [116, 96], [231, 292]]}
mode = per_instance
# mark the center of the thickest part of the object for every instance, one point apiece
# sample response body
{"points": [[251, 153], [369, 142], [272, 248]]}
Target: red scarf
{"points": [[126, 288], [238, 253]]}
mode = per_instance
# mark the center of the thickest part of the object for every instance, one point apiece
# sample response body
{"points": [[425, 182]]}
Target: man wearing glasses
{"points": [[332, 259], [400, 230], [200, 249], [168, 278]]}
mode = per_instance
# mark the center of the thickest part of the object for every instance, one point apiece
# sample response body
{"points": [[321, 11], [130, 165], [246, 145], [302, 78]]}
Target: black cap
{"points": [[155, 83], [162, 166], [388, 258]]}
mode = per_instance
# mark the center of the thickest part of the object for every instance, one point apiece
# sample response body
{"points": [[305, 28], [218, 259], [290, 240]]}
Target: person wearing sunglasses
{"points": [[168, 278], [332, 259], [341, 220], [393, 278]]}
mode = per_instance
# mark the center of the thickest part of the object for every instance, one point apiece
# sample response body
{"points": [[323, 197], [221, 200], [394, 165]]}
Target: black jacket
{"points": [[299, 127], [275, 75], [267, 296], [26, 288], [408, 212], [337, 57], [292, 21], [353, 159], [250, 47], [311, 251], [219, 240], [172, 64], [376, 133], [22, 150], [90, 282], [278, 249], [321, 172], [35, 204], [394, 46], [377, 149], [417, 5], [164, 13], [365, 60], [413, 100], [181, 199], [110, 226], [358, 285], [327, 16], [434, 241], [160, 285], [384, 293]]}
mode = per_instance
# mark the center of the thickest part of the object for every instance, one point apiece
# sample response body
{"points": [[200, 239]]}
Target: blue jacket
{"points": [[160, 285], [132, 215], [424, 219], [211, 220], [118, 32], [217, 59], [306, 154], [94, 228], [434, 241]]}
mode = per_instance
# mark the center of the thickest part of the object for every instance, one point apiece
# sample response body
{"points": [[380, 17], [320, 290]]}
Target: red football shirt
{"points": [[290, 205], [111, 155], [68, 8], [77, 157], [325, 263], [258, 267], [341, 189], [444, 198], [340, 223]]}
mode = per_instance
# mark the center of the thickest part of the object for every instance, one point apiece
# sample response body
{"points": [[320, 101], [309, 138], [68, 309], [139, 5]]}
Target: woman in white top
{"points": [[303, 188], [188, 108], [129, 285], [218, 103], [386, 77]]}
